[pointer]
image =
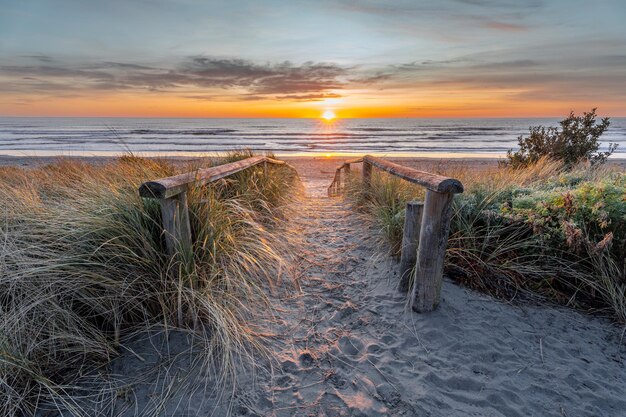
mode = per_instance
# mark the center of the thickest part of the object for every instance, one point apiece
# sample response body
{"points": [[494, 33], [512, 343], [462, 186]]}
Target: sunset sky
{"points": [[197, 58]]}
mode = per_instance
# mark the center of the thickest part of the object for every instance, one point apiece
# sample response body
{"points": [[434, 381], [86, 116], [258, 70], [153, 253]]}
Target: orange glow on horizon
{"points": [[429, 103]]}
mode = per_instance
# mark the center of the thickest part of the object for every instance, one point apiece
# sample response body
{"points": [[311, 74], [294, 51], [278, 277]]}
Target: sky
{"points": [[298, 58]]}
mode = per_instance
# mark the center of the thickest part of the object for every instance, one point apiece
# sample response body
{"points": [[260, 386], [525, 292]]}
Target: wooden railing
{"points": [[336, 186], [426, 227], [172, 195]]}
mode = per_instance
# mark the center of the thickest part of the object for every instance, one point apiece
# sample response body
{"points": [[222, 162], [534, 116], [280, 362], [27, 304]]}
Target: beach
{"points": [[343, 343], [312, 209], [315, 171]]}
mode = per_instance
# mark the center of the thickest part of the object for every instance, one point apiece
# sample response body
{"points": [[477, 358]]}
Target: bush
{"points": [[537, 230], [576, 141]]}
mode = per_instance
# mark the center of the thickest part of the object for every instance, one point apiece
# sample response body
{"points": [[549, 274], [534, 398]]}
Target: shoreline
{"points": [[35, 160], [316, 172], [341, 340]]}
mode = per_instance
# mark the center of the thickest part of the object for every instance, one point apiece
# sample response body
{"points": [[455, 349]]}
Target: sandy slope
{"points": [[345, 346]]}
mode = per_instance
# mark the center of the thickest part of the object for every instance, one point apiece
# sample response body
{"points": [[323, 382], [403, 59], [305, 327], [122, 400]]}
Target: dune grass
{"points": [[83, 268], [537, 231]]}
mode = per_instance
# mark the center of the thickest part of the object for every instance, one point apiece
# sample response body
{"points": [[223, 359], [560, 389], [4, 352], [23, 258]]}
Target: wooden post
{"points": [[410, 241], [265, 172], [346, 174], [176, 226], [338, 174], [367, 174], [432, 250]]}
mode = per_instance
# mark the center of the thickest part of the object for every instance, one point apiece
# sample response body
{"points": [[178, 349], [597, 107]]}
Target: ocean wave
{"points": [[290, 135], [197, 132]]}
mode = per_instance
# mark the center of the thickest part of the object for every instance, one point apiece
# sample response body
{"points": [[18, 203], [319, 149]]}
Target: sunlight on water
{"points": [[401, 137]]}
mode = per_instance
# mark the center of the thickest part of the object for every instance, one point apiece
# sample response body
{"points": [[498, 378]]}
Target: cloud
{"points": [[503, 26], [109, 64], [308, 97], [521, 74], [283, 80], [53, 71], [41, 58], [504, 4], [590, 78]]}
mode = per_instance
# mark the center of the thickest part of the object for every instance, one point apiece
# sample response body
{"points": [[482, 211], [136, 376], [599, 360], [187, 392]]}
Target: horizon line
{"points": [[291, 118]]}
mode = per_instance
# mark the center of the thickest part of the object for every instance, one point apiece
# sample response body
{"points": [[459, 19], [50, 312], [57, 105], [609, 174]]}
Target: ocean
{"points": [[162, 136]]}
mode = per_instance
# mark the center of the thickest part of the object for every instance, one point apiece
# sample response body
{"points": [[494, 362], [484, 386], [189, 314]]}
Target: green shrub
{"points": [[577, 140], [537, 230]]}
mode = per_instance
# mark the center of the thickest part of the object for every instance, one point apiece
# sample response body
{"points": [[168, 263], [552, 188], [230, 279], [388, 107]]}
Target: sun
{"points": [[329, 115]]}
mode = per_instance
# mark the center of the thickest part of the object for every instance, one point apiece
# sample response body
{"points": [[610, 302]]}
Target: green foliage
{"points": [[576, 140], [561, 235], [581, 215]]}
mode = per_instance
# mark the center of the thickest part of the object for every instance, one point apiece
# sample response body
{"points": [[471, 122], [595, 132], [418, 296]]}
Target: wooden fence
{"points": [[172, 195], [426, 227], [426, 224]]}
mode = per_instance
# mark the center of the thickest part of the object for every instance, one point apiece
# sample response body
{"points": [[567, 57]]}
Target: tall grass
{"points": [[537, 231], [83, 267]]}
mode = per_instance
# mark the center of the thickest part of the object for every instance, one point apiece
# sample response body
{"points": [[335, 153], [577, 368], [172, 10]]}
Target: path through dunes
{"points": [[346, 347]]}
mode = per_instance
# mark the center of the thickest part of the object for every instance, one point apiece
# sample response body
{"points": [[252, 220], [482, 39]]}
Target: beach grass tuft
{"points": [[83, 270]]}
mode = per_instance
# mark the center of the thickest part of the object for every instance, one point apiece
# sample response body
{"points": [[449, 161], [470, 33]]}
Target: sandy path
{"points": [[346, 345]]}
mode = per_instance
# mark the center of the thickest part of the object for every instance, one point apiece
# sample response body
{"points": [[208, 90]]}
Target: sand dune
{"points": [[345, 346]]}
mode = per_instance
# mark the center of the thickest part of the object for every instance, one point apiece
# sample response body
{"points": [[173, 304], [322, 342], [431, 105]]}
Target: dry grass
{"points": [[82, 269]]}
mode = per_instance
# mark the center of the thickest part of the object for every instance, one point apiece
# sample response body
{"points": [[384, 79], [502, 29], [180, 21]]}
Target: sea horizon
{"points": [[489, 137]]}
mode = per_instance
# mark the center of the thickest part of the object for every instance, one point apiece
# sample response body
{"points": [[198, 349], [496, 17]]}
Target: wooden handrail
{"points": [[172, 195], [171, 186], [427, 180], [353, 161], [335, 186], [426, 228]]}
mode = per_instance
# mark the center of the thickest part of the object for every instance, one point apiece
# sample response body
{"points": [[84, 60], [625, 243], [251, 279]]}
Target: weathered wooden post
{"points": [[338, 174], [410, 242], [367, 174], [431, 251], [176, 226], [430, 233], [171, 192]]}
